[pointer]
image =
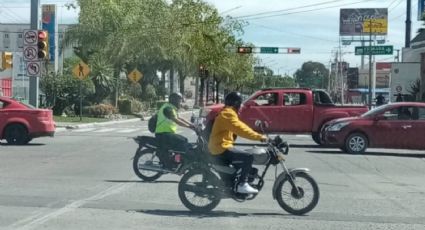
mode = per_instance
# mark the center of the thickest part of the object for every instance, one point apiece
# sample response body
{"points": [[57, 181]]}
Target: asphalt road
{"points": [[83, 179]]}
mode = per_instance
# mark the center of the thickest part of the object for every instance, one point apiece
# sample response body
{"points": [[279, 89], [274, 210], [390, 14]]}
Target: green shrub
{"points": [[131, 106], [124, 106], [100, 110]]}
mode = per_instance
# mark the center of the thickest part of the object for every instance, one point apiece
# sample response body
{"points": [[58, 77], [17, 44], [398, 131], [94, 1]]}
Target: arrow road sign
{"points": [[269, 50], [374, 50], [33, 69]]}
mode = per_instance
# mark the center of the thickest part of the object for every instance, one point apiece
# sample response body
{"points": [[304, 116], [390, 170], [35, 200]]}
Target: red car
{"points": [[397, 126], [20, 123]]}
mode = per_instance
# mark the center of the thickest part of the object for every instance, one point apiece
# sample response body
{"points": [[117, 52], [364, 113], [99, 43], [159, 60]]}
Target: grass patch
{"points": [[77, 119]]}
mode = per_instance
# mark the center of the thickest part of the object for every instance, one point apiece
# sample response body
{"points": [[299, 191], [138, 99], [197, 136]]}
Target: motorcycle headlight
{"points": [[338, 126]]}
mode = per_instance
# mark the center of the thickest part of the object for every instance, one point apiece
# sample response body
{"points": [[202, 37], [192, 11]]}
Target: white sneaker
{"points": [[246, 188]]}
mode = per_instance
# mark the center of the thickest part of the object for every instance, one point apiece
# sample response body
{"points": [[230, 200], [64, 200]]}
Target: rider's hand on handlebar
{"points": [[265, 139]]}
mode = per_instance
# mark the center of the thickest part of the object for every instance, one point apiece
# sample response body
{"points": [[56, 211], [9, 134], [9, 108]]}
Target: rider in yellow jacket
{"points": [[221, 140]]}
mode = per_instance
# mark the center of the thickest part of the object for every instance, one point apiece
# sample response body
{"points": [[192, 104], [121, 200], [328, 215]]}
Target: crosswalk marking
{"points": [[127, 130], [104, 130], [83, 130]]}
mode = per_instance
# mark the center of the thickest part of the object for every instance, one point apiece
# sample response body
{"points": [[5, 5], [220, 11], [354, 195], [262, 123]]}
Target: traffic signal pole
{"points": [[34, 81]]}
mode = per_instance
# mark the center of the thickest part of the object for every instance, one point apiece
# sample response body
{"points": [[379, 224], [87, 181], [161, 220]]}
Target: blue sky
{"points": [[315, 31]]}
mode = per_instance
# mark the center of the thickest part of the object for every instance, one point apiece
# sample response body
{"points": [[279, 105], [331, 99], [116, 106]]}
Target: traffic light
{"points": [[43, 44], [244, 50], [294, 50], [6, 60]]}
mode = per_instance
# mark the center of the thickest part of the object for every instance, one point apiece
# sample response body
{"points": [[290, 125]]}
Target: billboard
{"points": [[352, 21], [49, 23], [421, 9]]}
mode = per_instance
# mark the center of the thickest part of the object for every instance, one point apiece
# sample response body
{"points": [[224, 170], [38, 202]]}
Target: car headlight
{"points": [[338, 126]]}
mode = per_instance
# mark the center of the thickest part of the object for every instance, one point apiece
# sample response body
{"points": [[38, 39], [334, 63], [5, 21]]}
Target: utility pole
{"points": [[34, 81], [408, 23], [370, 66]]}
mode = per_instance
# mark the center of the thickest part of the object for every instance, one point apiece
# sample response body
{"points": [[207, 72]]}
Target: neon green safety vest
{"points": [[163, 124]]}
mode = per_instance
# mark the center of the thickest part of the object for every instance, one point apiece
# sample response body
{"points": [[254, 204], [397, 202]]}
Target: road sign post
{"points": [[81, 71], [135, 76]]}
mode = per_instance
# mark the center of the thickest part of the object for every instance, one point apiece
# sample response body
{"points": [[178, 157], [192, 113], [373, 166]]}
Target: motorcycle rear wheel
{"points": [[195, 191], [146, 156], [302, 203]]}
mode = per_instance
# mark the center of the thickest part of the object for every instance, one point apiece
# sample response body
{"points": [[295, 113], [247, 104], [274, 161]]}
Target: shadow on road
{"points": [[372, 153], [29, 144], [140, 181], [306, 146], [212, 214]]}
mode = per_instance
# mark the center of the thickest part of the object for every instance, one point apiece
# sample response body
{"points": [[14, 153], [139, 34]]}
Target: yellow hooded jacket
{"points": [[225, 125]]}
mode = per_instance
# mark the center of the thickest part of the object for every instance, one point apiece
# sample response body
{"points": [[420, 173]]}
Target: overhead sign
{"points": [[375, 26], [135, 76], [374, 50], [33, 69], [269, 50], [351, 20], [81, 71]]}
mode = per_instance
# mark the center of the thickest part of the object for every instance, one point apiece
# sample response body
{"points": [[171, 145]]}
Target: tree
{"points": [[63, 91], [312, 75]]}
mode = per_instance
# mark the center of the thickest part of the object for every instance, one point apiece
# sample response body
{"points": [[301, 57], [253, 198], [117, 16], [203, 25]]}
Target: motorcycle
{"points": [[204, 184], [150, 162]]}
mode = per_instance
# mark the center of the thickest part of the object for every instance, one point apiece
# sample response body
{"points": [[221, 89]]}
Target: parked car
{"points": [[20, 123], [289, 110], [399, 125]]}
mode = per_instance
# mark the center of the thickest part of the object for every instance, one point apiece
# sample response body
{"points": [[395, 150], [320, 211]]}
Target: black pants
{"points": [[170, 141], [240, 159]]}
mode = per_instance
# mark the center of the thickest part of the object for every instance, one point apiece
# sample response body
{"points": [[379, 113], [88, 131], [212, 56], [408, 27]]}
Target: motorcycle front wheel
{"points": [[146, 157], [196, 191], [302, 202]]}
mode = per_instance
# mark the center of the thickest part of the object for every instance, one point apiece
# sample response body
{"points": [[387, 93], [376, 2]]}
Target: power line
{"points": [[288, 9], [399, 2], [301, 35], [304, 11], [9, 12]]}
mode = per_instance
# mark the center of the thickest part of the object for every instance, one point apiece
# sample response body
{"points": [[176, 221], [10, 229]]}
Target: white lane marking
{"points": [[303, 136], [35, 221], [127, 130], [104, 130], [83, 130]]}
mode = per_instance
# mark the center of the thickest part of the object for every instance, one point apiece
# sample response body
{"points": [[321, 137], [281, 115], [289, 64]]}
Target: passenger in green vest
{"points": [[166, 128]]}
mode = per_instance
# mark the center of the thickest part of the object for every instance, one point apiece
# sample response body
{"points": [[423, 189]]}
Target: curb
{"points": [[89, 125]]}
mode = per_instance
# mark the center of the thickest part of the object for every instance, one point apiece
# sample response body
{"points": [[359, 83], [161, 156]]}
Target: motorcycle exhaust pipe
{"points": [[155, 168]]}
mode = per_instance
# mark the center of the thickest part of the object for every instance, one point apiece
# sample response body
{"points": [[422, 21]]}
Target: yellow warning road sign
{"points": [[81, 71], [135, 76]]}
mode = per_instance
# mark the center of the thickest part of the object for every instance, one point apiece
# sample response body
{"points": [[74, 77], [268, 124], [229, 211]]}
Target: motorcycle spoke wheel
{"points": [[195, 192], [301, 201], [149, 158]]}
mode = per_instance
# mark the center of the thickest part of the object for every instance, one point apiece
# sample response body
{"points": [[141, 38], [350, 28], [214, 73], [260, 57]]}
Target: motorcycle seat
{"points": [[147, 141]]}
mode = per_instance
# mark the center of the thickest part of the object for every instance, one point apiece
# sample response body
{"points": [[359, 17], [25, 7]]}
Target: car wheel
{"points": [[16, 134], [356, 143], [316, 138]]}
